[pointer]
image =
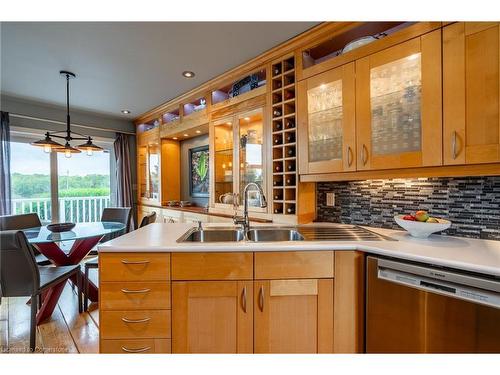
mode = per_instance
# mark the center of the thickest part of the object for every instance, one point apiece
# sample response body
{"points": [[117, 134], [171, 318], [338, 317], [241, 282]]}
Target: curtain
{"points": [[5, 199], [124, 195]]}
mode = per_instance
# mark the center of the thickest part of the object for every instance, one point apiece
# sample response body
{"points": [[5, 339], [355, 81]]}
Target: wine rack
{"points": [[283, 115]]}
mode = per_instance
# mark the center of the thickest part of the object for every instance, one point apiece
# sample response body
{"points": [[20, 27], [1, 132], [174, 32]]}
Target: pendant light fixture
{"points": [[49, 145]]}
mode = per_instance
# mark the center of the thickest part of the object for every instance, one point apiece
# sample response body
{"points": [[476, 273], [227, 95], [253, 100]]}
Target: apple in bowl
{"points": [[421, 225]]}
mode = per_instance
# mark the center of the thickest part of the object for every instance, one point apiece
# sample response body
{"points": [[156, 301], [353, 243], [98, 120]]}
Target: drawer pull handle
{"points": [[244, 299], [135, 261], [129, 291], [144, 320], [138, 350], [261, 298]]}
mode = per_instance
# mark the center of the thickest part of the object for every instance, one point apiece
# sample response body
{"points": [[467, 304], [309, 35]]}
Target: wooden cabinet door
{"points": [[293, 316], [398, 105], [471, 93], [326, 132], [212, 317]]}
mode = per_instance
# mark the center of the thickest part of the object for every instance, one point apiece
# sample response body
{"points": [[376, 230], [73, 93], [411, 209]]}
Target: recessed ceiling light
{"points": [[188, 74], [247, 118], [125, 111], [228, 123], [186, 135], [174, 137], [198, 132]]}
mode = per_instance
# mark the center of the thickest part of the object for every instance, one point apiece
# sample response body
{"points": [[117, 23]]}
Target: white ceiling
{"points": [[134, 66]]}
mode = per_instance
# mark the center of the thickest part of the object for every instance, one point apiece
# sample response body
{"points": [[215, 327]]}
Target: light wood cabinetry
{"points": [[349, 302], [294, 264], [294, 316], [471, 93], [212, 266], [212, 317], [232, 302], [137, 346], [134, 303], [327, 128], [398, 105]]}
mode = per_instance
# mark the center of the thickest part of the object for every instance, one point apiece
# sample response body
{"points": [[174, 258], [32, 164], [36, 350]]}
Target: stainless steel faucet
{"points": [[244, 221]]}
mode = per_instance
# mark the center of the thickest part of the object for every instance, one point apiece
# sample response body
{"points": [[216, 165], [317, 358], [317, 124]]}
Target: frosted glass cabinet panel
{"points": [[327, 122], [395, 91], [398, 105]]}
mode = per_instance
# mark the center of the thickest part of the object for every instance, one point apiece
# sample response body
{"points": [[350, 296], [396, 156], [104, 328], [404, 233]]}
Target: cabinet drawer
{"points": [[134, 266], [294, 264], [134, 295], [212, 266], [136, 346], [135, 324]]}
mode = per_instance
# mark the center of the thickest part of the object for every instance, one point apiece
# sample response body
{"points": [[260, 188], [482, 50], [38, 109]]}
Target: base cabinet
{"points": [[294, 316], [212, 317], [232, 302]]}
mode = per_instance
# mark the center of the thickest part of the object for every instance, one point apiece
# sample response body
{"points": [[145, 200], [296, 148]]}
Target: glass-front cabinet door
{"points": [[154, 171], [237, 154], [148, 163], [223, 157], [398, 105], [327, 135], [142, 171], [251, 154]]}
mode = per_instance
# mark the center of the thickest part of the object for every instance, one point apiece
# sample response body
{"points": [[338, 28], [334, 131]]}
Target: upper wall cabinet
{"points": [[238, 157], [471, 85], [398, 105], [327, 135]]}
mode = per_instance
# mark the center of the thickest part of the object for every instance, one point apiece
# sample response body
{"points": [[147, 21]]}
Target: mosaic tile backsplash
{"points": [[472, 203]]}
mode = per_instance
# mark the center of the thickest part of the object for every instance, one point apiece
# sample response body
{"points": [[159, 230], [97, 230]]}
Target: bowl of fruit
{"points": [[421, 225]]}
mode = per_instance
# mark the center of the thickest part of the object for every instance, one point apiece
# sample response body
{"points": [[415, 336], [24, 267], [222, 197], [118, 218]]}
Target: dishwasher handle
{"points": [[448, 289]]}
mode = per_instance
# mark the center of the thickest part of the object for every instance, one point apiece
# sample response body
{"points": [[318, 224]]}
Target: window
{"points": [[30, 180], [83, 186], [57, 188]]}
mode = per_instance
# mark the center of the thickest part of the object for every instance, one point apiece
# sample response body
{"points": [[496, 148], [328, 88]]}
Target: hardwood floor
{"points": [[66, 331]]}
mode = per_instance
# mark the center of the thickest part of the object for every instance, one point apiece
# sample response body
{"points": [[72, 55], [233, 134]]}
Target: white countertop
{"points": [[462, 253]]}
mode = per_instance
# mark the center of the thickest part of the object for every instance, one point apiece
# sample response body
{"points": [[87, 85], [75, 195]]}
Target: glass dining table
{"points": [[85, 237]]}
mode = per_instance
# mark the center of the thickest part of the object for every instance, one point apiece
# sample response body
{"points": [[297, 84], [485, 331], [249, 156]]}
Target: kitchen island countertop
{"points": [[467, 254]]}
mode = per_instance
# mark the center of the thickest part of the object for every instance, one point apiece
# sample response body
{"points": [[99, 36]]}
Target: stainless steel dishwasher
{"points": [[419, 308]]}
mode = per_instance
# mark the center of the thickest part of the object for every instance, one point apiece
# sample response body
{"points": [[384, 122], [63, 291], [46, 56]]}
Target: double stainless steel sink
{"points": [[276, 234]]}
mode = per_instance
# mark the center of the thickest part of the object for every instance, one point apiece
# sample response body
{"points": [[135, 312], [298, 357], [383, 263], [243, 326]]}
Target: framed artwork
{"points": [[198, 172]]}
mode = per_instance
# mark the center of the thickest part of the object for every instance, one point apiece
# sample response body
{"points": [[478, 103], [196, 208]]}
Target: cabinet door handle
{"points": [[144, 320], [138, 350], [130, 291], [261, 298], [124, 261], [244, 299], [364, 154], [454, 145], [349, 156]]}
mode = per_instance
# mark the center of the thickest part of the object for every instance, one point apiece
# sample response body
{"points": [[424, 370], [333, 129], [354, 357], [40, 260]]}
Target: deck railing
{"points": [[73, 209]]}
